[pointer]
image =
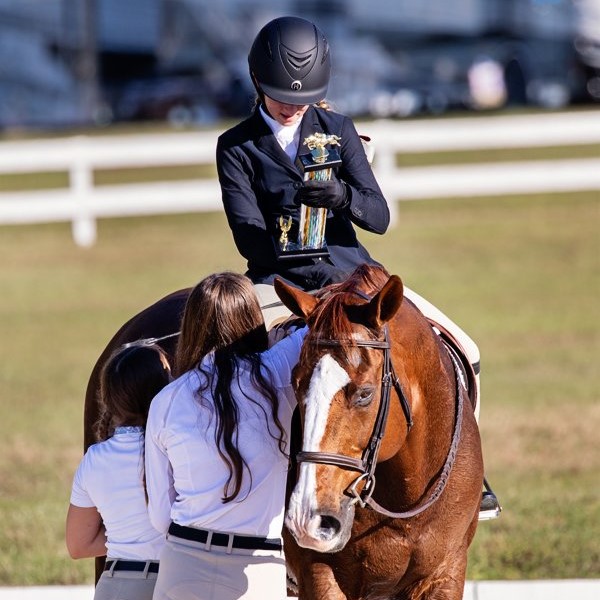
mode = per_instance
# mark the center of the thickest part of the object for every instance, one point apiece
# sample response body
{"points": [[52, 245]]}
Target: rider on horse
{"points": [[263, 185]]}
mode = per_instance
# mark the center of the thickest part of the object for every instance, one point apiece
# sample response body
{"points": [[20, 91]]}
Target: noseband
{"points": [[367, 464]]}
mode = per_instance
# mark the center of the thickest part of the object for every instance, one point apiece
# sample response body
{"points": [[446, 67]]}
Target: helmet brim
{"points": [[295, 97]]}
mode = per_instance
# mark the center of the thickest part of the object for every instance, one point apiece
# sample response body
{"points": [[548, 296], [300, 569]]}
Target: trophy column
{"points": [[316, 165]]}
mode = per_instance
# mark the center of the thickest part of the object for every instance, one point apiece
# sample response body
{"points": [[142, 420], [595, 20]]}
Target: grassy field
{"points": [[520, 274]]}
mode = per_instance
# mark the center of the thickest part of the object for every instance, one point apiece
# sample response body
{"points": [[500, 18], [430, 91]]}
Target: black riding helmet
{"points": [[289, 61]]}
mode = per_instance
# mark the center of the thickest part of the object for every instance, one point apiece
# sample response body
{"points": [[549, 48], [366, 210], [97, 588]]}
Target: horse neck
{"points": [[427, 380]]}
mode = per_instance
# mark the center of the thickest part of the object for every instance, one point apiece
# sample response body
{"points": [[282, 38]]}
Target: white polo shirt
{"points": [[185, 473], [109, 478]]}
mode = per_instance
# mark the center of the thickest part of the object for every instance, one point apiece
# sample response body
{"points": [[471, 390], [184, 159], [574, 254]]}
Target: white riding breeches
{"points": [[469, 346]]}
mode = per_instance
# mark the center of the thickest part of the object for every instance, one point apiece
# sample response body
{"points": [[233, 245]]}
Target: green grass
{"points": [[494, 155], [520, 274], [59, 307]]}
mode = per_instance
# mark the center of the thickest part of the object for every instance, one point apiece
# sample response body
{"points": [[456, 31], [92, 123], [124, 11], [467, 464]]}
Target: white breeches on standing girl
{"points": [[136, 585], [195, 571]]}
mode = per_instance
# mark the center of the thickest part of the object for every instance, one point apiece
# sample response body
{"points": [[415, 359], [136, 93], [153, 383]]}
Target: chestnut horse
{"points": [[390, 472], [408, 536]]}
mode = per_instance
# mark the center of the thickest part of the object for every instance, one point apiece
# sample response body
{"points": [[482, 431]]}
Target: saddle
{"points": [[470, 371], [284, 327]]}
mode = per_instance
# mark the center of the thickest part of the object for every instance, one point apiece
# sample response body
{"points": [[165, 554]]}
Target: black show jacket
{"points": [[259, 183]]}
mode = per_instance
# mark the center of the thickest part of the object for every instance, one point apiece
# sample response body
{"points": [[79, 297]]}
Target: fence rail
{"points": [[83, 202]]}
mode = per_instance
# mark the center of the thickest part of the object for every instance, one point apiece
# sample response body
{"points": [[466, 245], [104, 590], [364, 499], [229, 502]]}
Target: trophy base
{"points": [[307, 162], [293, 251]]}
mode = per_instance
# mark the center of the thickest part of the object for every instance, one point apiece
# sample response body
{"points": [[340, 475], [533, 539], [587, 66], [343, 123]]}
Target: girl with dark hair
{"points": [[108, 512], [217, 449]]}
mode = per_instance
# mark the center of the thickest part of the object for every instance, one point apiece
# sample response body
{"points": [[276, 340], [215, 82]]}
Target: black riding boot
{"points": [[490, 506]]}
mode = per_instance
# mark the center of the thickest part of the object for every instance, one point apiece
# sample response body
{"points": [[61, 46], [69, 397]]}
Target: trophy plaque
{"points": [[316, 165]]}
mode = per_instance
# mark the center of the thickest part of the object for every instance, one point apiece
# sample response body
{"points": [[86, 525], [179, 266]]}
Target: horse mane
{"points": [[330, 318]]}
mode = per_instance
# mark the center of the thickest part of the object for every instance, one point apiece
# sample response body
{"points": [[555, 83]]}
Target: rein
{"points": [[450, 458], [153, 340], [150, 341], [367, 464]]}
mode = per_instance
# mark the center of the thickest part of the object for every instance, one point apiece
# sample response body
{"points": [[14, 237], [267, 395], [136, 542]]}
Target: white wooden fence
{"points": [[83, 202]]}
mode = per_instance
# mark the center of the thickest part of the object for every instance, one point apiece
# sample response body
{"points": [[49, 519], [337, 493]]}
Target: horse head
{"points": [[339, 385]]}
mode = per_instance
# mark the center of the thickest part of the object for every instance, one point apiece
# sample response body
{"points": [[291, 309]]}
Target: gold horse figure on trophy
{"points": [[316, 144]]}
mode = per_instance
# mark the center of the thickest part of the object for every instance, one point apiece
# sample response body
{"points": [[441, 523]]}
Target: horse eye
{"points": [[363, 396]]}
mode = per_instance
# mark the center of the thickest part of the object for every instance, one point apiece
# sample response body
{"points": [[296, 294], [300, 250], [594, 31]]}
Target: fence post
{"points": [[81, 180], [385, 167]]}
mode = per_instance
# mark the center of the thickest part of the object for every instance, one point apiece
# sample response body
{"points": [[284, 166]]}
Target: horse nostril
{"points": [[329, 527]]}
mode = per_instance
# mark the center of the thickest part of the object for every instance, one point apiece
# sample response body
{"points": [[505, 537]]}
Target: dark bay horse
{"points": [[390, 471], [339, 547]]}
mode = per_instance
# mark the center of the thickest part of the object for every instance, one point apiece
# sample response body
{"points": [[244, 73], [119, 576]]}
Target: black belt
{"points": [[131, 565], [244, 542]]}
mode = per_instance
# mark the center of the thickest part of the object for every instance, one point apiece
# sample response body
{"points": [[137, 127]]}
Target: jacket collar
{"points": [[267, 143]]}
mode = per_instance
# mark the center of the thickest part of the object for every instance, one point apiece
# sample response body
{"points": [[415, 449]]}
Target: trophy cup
{"points": [[317, 165]]}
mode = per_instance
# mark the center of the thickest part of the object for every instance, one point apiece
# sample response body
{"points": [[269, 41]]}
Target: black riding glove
{"points": [[324, 194]]}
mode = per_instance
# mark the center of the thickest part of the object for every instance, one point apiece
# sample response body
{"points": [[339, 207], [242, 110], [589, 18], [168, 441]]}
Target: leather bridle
{"points": [[367, 464]]}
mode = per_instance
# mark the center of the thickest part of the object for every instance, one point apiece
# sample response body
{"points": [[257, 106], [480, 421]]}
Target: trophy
{"points": [[285, 225], [316, 165]]}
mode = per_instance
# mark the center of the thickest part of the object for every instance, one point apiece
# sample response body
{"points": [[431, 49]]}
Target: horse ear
{"points": [[386, 303], [298, 301]]}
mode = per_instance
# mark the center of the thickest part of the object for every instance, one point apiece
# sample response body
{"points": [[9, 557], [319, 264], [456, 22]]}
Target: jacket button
{"points": [[297, 185]]}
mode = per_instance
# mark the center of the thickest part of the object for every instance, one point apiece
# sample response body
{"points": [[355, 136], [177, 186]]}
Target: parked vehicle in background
{"points": [[435, 74], [37, 88], [67, 63], [181, 99]]}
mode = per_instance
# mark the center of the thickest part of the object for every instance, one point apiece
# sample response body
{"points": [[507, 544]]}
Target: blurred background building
{"points": [[66, 63]]}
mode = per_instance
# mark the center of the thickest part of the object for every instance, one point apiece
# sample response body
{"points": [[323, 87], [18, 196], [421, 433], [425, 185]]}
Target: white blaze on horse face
{"points": [[327, 379]]}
